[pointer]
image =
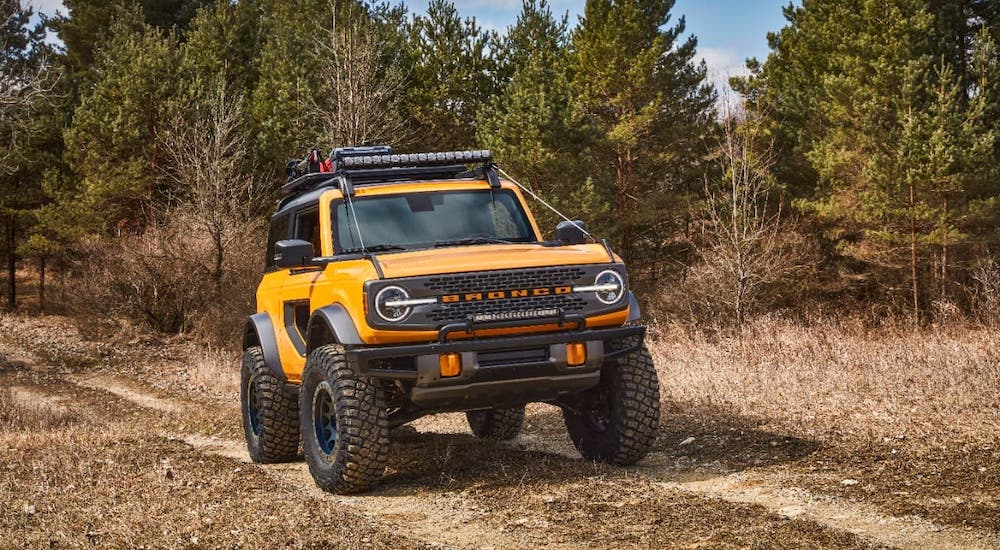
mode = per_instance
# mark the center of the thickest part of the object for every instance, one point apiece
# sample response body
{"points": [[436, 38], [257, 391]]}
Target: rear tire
{"points": [[617, 421], [345, 426], [270, 411], [498, 424]]}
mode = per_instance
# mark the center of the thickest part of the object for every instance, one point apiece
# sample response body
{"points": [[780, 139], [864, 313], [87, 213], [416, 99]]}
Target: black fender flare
{"points": [[260, 332], [331, 323], [634, 314]]}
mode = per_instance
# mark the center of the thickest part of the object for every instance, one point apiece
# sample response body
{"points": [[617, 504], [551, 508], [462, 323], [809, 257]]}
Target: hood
{"points": [[488, 257]]}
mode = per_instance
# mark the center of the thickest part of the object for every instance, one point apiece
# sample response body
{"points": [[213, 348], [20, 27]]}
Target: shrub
{"points": [[165, 279]]}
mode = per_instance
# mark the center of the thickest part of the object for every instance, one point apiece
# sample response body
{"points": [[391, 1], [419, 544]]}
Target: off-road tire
{"points": [[617, 421], [353, 459], [270, 411], [498, 424]]}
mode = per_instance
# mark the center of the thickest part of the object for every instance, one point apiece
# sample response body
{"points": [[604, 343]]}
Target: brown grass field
{"points": [[839, 381], [826, 434]]}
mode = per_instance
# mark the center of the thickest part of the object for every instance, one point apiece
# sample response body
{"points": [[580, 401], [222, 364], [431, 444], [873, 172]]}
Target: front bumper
{"points": [[496, 372]]}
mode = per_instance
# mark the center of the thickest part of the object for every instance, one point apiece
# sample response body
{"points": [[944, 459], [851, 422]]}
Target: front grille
{"points": [[503, 280], [488, 297], [465, 310]]}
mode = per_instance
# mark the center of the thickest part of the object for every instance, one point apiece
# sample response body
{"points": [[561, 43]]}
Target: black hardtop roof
{"points": [[310, 198], [349, 167]]}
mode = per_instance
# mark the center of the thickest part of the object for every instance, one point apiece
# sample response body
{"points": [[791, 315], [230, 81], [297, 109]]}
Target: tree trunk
{"points": [[622, 205], [62, 279], [944, 253], [41, 284], [219, 256], [913, 256], [11, 262]]}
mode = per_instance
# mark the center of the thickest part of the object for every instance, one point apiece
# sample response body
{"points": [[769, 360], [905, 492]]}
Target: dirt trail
{"points": [[442, 521], [862, 520], [450, 520], [129, 392], [793, 502]]}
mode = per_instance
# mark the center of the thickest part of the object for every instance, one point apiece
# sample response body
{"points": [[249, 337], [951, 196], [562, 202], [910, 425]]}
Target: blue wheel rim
{"points": [[253, 407], [325, 418]]}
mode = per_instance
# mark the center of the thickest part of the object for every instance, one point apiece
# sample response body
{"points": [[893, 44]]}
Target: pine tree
{"points": [[451, 77], [84, 28], [26, 83], [112, 143], [223, 39], [287, 80], [636, 84], [883, 122], [529, 125]]}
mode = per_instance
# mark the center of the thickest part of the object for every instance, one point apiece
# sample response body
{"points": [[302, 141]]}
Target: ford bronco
{"points": [[402, 285]]}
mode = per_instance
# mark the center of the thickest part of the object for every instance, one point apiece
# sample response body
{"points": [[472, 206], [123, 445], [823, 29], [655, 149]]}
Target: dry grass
{"points": [[23, 412], [216, 371], [840, 381]]}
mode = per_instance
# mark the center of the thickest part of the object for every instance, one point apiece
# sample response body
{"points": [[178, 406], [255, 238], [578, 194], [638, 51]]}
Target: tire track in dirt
{"points": [[796, 503], [128, 392], [437, 521], [860, 519], [445, 520]]}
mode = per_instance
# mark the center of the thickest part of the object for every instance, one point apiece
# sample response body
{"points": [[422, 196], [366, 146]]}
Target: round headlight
{"points": [[610, 286], [386, 303]]}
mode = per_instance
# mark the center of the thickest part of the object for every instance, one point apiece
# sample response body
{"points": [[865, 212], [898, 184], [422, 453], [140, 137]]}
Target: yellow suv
{"points": [[399, 286]]}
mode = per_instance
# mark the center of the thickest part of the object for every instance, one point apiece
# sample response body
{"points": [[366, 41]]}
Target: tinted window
{"points": [[307, 228], [421, 219], [278, 231]]}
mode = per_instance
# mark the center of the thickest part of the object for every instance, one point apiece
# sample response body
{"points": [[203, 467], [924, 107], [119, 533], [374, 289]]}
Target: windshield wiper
{"points": [[470, 240], [373, 248]]}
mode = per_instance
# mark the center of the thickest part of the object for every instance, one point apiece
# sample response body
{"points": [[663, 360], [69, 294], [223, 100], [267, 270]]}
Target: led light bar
{"points": [[413, 159]]}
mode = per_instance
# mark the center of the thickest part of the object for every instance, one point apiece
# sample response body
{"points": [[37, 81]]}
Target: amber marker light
{"points": [[451, 364], [576, 354]]}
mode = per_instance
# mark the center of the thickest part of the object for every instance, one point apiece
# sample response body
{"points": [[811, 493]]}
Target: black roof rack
{"points": [[349, 167]]}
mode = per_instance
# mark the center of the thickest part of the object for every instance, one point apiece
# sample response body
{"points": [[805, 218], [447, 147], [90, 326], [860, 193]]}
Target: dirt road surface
{"points": [[117, 446]]}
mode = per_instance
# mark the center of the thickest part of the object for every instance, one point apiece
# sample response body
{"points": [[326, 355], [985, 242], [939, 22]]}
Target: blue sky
{"points": [[728, 31]]}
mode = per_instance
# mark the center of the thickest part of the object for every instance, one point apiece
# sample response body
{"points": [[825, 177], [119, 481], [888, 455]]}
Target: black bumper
{"points": [[496, 372]]}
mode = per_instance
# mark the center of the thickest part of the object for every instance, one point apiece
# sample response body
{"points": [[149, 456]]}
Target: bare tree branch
{"points": [[216, 189], [743, 245], [360, 85], [23, 85]]}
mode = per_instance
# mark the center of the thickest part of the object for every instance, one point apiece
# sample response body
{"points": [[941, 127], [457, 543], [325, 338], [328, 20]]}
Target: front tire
{"points": [[497, 424], [270, 411], [345, 427], [616, 422]]}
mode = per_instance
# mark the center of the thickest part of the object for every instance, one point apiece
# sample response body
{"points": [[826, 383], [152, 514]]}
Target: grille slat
{"points": [[504, 280]]}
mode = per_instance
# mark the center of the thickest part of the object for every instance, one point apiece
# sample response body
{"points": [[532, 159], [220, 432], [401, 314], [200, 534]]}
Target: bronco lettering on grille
{"points": [[503, 294]]}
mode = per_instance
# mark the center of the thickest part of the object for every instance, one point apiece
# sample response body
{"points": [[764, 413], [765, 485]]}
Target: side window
{"points": [[277, 232], [307, 228]]}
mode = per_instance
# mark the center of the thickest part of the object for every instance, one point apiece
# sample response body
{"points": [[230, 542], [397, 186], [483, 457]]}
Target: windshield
{"points": [[424, 220]]}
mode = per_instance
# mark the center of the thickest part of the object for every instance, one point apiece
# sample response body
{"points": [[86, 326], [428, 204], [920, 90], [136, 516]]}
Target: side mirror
{"points": [[292, 253], [571, 232]]}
